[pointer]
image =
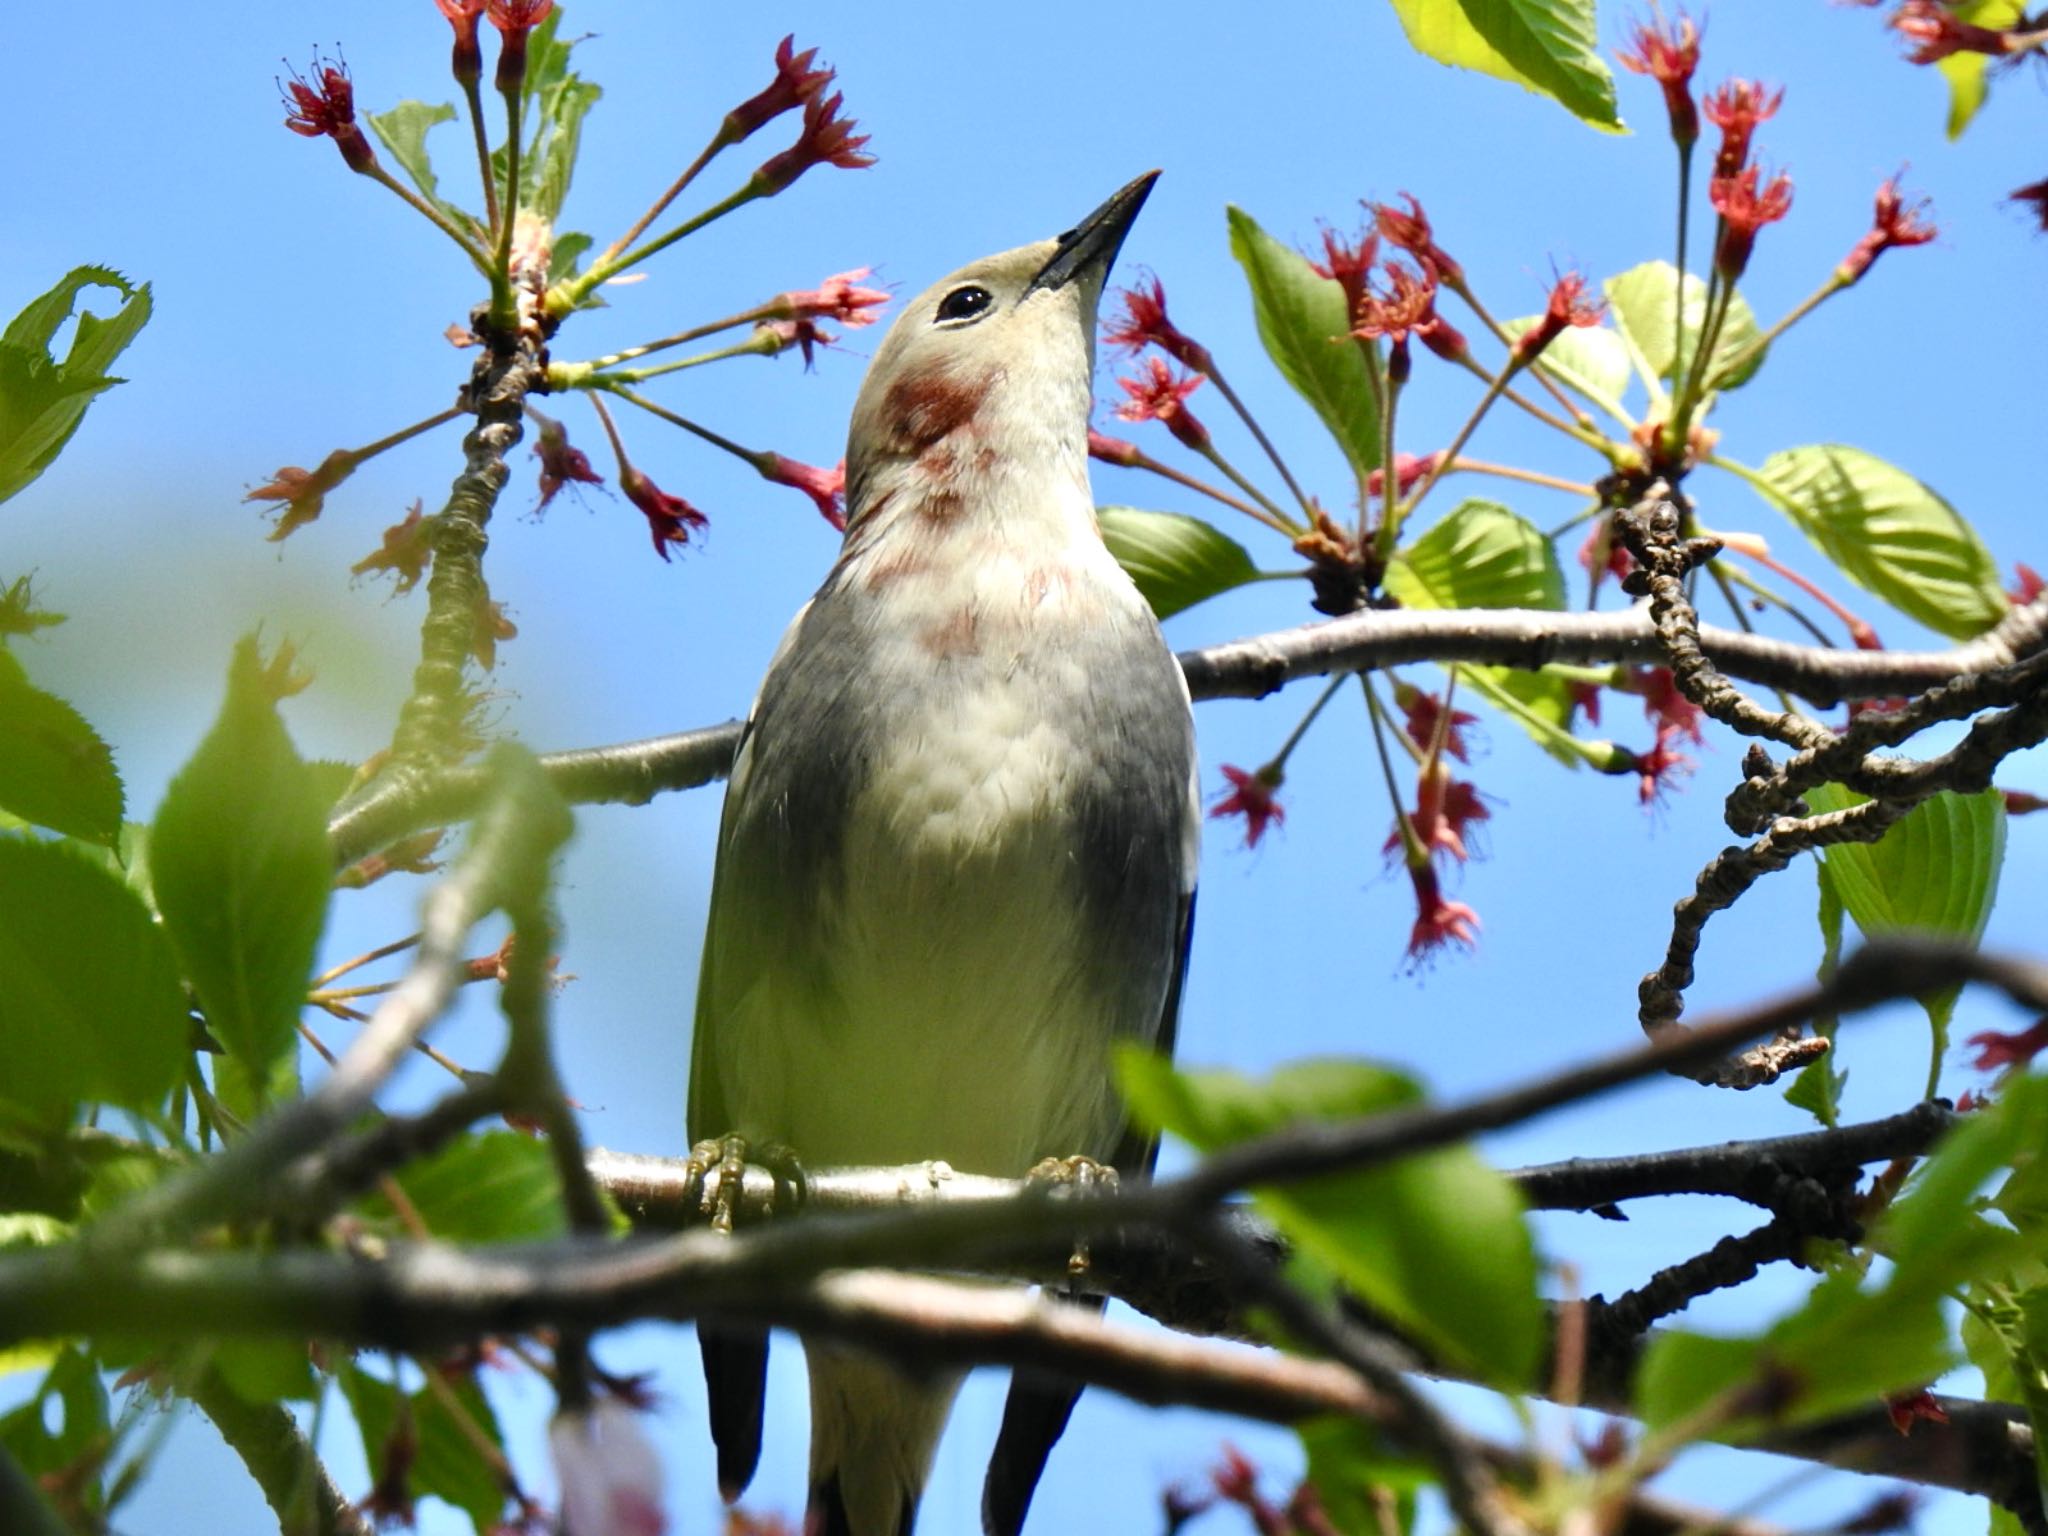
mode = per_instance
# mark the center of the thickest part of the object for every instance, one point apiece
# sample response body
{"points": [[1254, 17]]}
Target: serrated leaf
{"points": [[1642, 299], [1176, 561], [403, 132], [447, 1466], [564, 106], [492, 1187], [1546, 46], [1888, 533], [554, 102], [55, 771], [91, 1010], [1481, 555], [240, 862], [1593, 359], [1437, 1241], [1306, 330], [42, 400]]}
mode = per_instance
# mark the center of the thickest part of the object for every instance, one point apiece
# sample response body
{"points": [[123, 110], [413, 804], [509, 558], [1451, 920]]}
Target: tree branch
{"points": [[295, 1483]]}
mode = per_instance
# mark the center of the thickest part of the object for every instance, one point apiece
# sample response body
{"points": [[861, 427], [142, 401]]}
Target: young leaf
{"points": [[403, 133], [563, 106], [1437, 1241], [1479, 556], [1888, 533], [1177, 561], [91, 1010], [1546, 46], [1968, 73], [1307, 332], [54, 769], [240, 863], [1642, 298], [1593, 359], [495, 1187], [42, 401]]}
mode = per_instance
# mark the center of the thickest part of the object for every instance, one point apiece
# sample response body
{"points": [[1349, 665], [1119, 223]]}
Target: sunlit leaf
{"points": [[1177, 561], [447, 1465], [1593, 359], [493, 1187], [1480, 555], [1547, 46], [55, 771], [42, 400], [1642, 299]]}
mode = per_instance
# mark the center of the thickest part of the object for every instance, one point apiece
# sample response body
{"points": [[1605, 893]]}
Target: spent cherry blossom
{"points": [[1423, 719], [1408, 469], [1746, 204], [825, 487], [825, 139], [1566, 307], [324, 106], [1348, 263], [1438, 920], [1892, 224], [467, 62], [1666, 707], [1145, 323], [560, 461], [1736, 107], [1254, 796], [1661, 767], [515, 20], [840, 297], [1936, 32], [1444, 808], [1158, 395], [795, 84], [1668, 52], [405, 552], [670, 519], [1997, 1048], [1113, 450], [1411, 232], [302, 492]]}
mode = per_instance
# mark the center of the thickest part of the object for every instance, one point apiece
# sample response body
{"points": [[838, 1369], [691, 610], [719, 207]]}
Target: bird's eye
{"points": [[964, 303]]}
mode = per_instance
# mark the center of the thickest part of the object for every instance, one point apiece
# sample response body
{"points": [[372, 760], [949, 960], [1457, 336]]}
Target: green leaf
{"points": [[403, 133], [72, 1385], [1351, 1465], [1176, 561], [554, 102], [91, 1010], [1481, 555], [1968, 74], [564, 106], [447, 1466], [1818, 1088], [54, 769], [42, 401], [19, 614], [1642, 299], [240, 862], [493, 1187], [1546, 46], [1888, 533], [1306, 329], [1593, 359], [1541, 703], [1437, 1241], [266, 1370]]}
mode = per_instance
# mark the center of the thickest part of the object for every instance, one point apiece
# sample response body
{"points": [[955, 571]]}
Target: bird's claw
{"points": [[1081, 1175], [717, 1168]]}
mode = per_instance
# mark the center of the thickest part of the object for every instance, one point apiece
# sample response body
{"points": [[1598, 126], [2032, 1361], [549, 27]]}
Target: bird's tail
{"points": [[873, 1431]]}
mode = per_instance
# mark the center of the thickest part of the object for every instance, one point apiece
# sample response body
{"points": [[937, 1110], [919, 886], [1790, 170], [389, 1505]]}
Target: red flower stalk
{"points": [[1411, 232], [302, 491], [1163, 398], [1668, 52], [467, 62], [1660, 767], [2027, 584], [1145, 323], [825, 139], [670, 519], [1424, 711], [1745, 207], [837, 298], [2036, 199], [825, 487], [1667, 708], [1254, 797], [1437, 921], [1113, 450], [1408, 469], [1937, 32], [1568, 306], [1892, 224], [794, 85], [405, 552], [514, 19], [1444, 808], [1998, 1048], [325, 107], [560, 463], [1736, 107], [1348, 263]]}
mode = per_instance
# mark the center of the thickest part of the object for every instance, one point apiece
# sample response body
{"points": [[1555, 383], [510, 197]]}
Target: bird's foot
{"points": [[1081, 1175], [717, 1168]]}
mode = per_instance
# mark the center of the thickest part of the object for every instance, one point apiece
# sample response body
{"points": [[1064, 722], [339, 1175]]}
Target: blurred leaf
{"points": [[1642, 298], [1350, 1463], [1935, 871], [1888, 533], [1437, 1241], [1818, 1088], [82, 1433], [1540, 702], [240, 861], [1968, 74], [54, 769], [1593, 359], [266, 1370], [42, 401], [1546, 46], [19, 614], [1177, 561], [403, 132], [491, 1187], [1481, 555], [90, 1005], [448, 1466], [1306, 330]]}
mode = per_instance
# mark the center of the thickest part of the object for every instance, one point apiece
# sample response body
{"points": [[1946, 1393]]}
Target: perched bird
{"points": [[957, 860]]}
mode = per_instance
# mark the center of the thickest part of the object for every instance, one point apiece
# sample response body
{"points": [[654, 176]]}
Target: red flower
{"points": [[795, 83], [825, 139], [1112, 450], [1936, 32], [1660, 767], [467, 61], [1444, 808], [669, 518], [1892, 224], [303, 492], [825, 487], [1665, 706], [1348, 264], [1408, 469], [1997, 1048], [325, 107], [1736, 107], [1668, 52], [1145, 324], [560, 463], [1603, 554], [1162, 397], [514, 19], [837, 298], [1907, 1408], [1404, 307], [1424, 712], [1437, 921], [405, 551], [1252, 796], [1745, 207], [1412, 233], [1568, 306], [2027, 585], [2036, 197]]}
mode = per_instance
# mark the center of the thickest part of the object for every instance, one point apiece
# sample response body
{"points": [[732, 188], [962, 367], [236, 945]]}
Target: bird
{"points": [[956, 862]]}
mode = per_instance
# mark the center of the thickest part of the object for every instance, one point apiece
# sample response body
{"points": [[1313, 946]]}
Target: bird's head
{"points": [[990, 365]]}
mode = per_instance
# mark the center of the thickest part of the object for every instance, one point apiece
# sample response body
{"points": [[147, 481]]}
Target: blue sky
{"points": [[300, 309]]}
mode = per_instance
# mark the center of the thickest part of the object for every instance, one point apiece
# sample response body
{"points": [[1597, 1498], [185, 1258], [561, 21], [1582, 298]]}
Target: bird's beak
{"points": [[1091, 245]]}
